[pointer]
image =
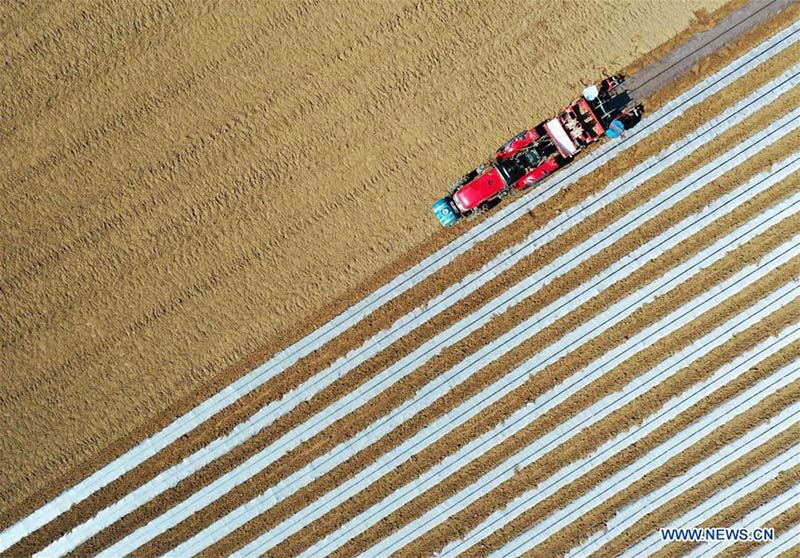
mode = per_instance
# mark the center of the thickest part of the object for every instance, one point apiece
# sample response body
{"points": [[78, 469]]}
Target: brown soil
{"points": [[136, 224], [402, 391], [736, 511], [702, 491], [791, 552], [272, 391], [85, 510], [164, 176]]}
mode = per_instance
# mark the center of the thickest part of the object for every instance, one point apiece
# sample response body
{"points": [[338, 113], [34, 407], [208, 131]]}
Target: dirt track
{"points": [[221, 279]]}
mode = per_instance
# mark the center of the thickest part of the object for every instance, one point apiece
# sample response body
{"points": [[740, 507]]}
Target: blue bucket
{"points": [[615, 129], [444, 212]]}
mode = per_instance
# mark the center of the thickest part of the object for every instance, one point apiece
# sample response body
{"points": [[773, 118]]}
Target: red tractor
{"points": [[531, 155]]}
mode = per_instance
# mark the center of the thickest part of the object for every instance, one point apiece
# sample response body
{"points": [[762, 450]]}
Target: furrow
{"points": [[279, 111], [106, 240], [457, 505], [249, 469], [143, 43], [240, 53], [91, 44], [150, 446], [320, 466]]}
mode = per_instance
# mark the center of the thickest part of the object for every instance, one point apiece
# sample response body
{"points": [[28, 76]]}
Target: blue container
{"points": [[444, 212], [615, 129]]}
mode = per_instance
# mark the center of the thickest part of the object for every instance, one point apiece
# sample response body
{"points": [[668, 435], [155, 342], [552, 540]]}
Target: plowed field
{"points": [[615, 352]]}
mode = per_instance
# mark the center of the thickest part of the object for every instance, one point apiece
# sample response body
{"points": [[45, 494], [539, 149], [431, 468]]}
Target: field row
{"points": [[623, 339]]}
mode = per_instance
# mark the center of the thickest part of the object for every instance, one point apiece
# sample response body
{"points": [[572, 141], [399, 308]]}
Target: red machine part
{"points": [[483, 188], [515, 144], [536, 174]]}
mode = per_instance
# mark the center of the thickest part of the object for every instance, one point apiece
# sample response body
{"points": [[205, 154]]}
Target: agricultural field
{"points": [[232, 327]]}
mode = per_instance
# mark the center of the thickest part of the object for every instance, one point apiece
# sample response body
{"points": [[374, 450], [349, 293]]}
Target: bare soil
{"points": [[740, 508], [187, 183], [395, 395], [151, 239], [385, 316]]}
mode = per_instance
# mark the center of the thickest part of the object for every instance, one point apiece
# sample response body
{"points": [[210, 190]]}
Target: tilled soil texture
{"points": [[547, 378], [186, 181], [503, 365], [683, 125], [198, 514], [452, 355]]}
